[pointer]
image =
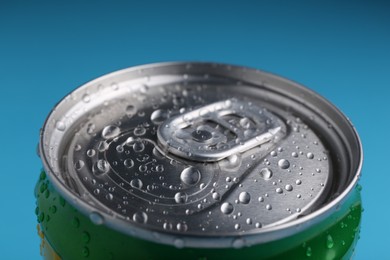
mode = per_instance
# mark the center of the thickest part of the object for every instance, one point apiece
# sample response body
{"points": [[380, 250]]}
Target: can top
{"points": [[181, 153]]}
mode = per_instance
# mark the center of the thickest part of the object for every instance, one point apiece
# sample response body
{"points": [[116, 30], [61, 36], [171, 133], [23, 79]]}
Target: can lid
{"points": [[197, 151]]}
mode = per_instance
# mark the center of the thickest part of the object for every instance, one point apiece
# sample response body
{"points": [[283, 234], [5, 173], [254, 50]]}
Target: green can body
{"points": [[68, 234]]}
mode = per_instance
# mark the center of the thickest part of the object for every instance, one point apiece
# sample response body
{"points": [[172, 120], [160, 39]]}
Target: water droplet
{"points": [[91, 152], [41, 217], [86, 98], [245, 123], [234, 160], [284, 164], [143, 168], [268, 207], [237, 226], [279, 190], [190, 175], [178, 100], [261, 199], [139, 131], [102, 146], [109, 196], [86, 237], [100, 167], [310, 155], [114, 86], [85, 252], [141, 113], [62, 201], [266, 173], [110, 131], [136, 183], [79, 165], [181, 226], [129, 163], [227, 208], [181, 197], [298, 182], [273, 153], [53, 209], [308, 251], [294, 154], [216, 196], [77, 147], [158, 116], [244, 197], [167, 226], [228, 103], [249, 221], [329, 241], [160, 168], [131, 111], [138, 146], [90, 128], [119, 148], [60, 126], [140, 217], [288, 187], [96, 218], [75, 222]]}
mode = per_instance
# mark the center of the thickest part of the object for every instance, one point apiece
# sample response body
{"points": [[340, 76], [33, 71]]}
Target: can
{"points": [[197, 160]]}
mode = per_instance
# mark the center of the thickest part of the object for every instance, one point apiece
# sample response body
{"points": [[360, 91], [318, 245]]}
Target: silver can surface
{"points": [[201, 155]]}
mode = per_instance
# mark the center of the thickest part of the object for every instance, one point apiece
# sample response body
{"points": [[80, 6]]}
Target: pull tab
{"points": [[218, 130]]}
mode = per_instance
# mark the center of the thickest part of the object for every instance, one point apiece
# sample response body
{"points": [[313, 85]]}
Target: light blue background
{"points": [[341, 50]]}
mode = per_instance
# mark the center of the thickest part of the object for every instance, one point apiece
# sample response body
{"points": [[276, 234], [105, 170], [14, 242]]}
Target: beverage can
{"points": [[197, 160]]}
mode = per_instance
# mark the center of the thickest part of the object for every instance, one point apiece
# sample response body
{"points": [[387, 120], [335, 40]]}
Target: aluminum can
{"points": [[197, 161]]}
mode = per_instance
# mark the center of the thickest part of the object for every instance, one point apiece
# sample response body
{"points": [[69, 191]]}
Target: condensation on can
{"points": [[199, 160]]}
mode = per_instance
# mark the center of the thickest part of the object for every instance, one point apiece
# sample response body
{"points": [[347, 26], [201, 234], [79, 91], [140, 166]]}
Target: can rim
{"points": [[215, 241]]}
